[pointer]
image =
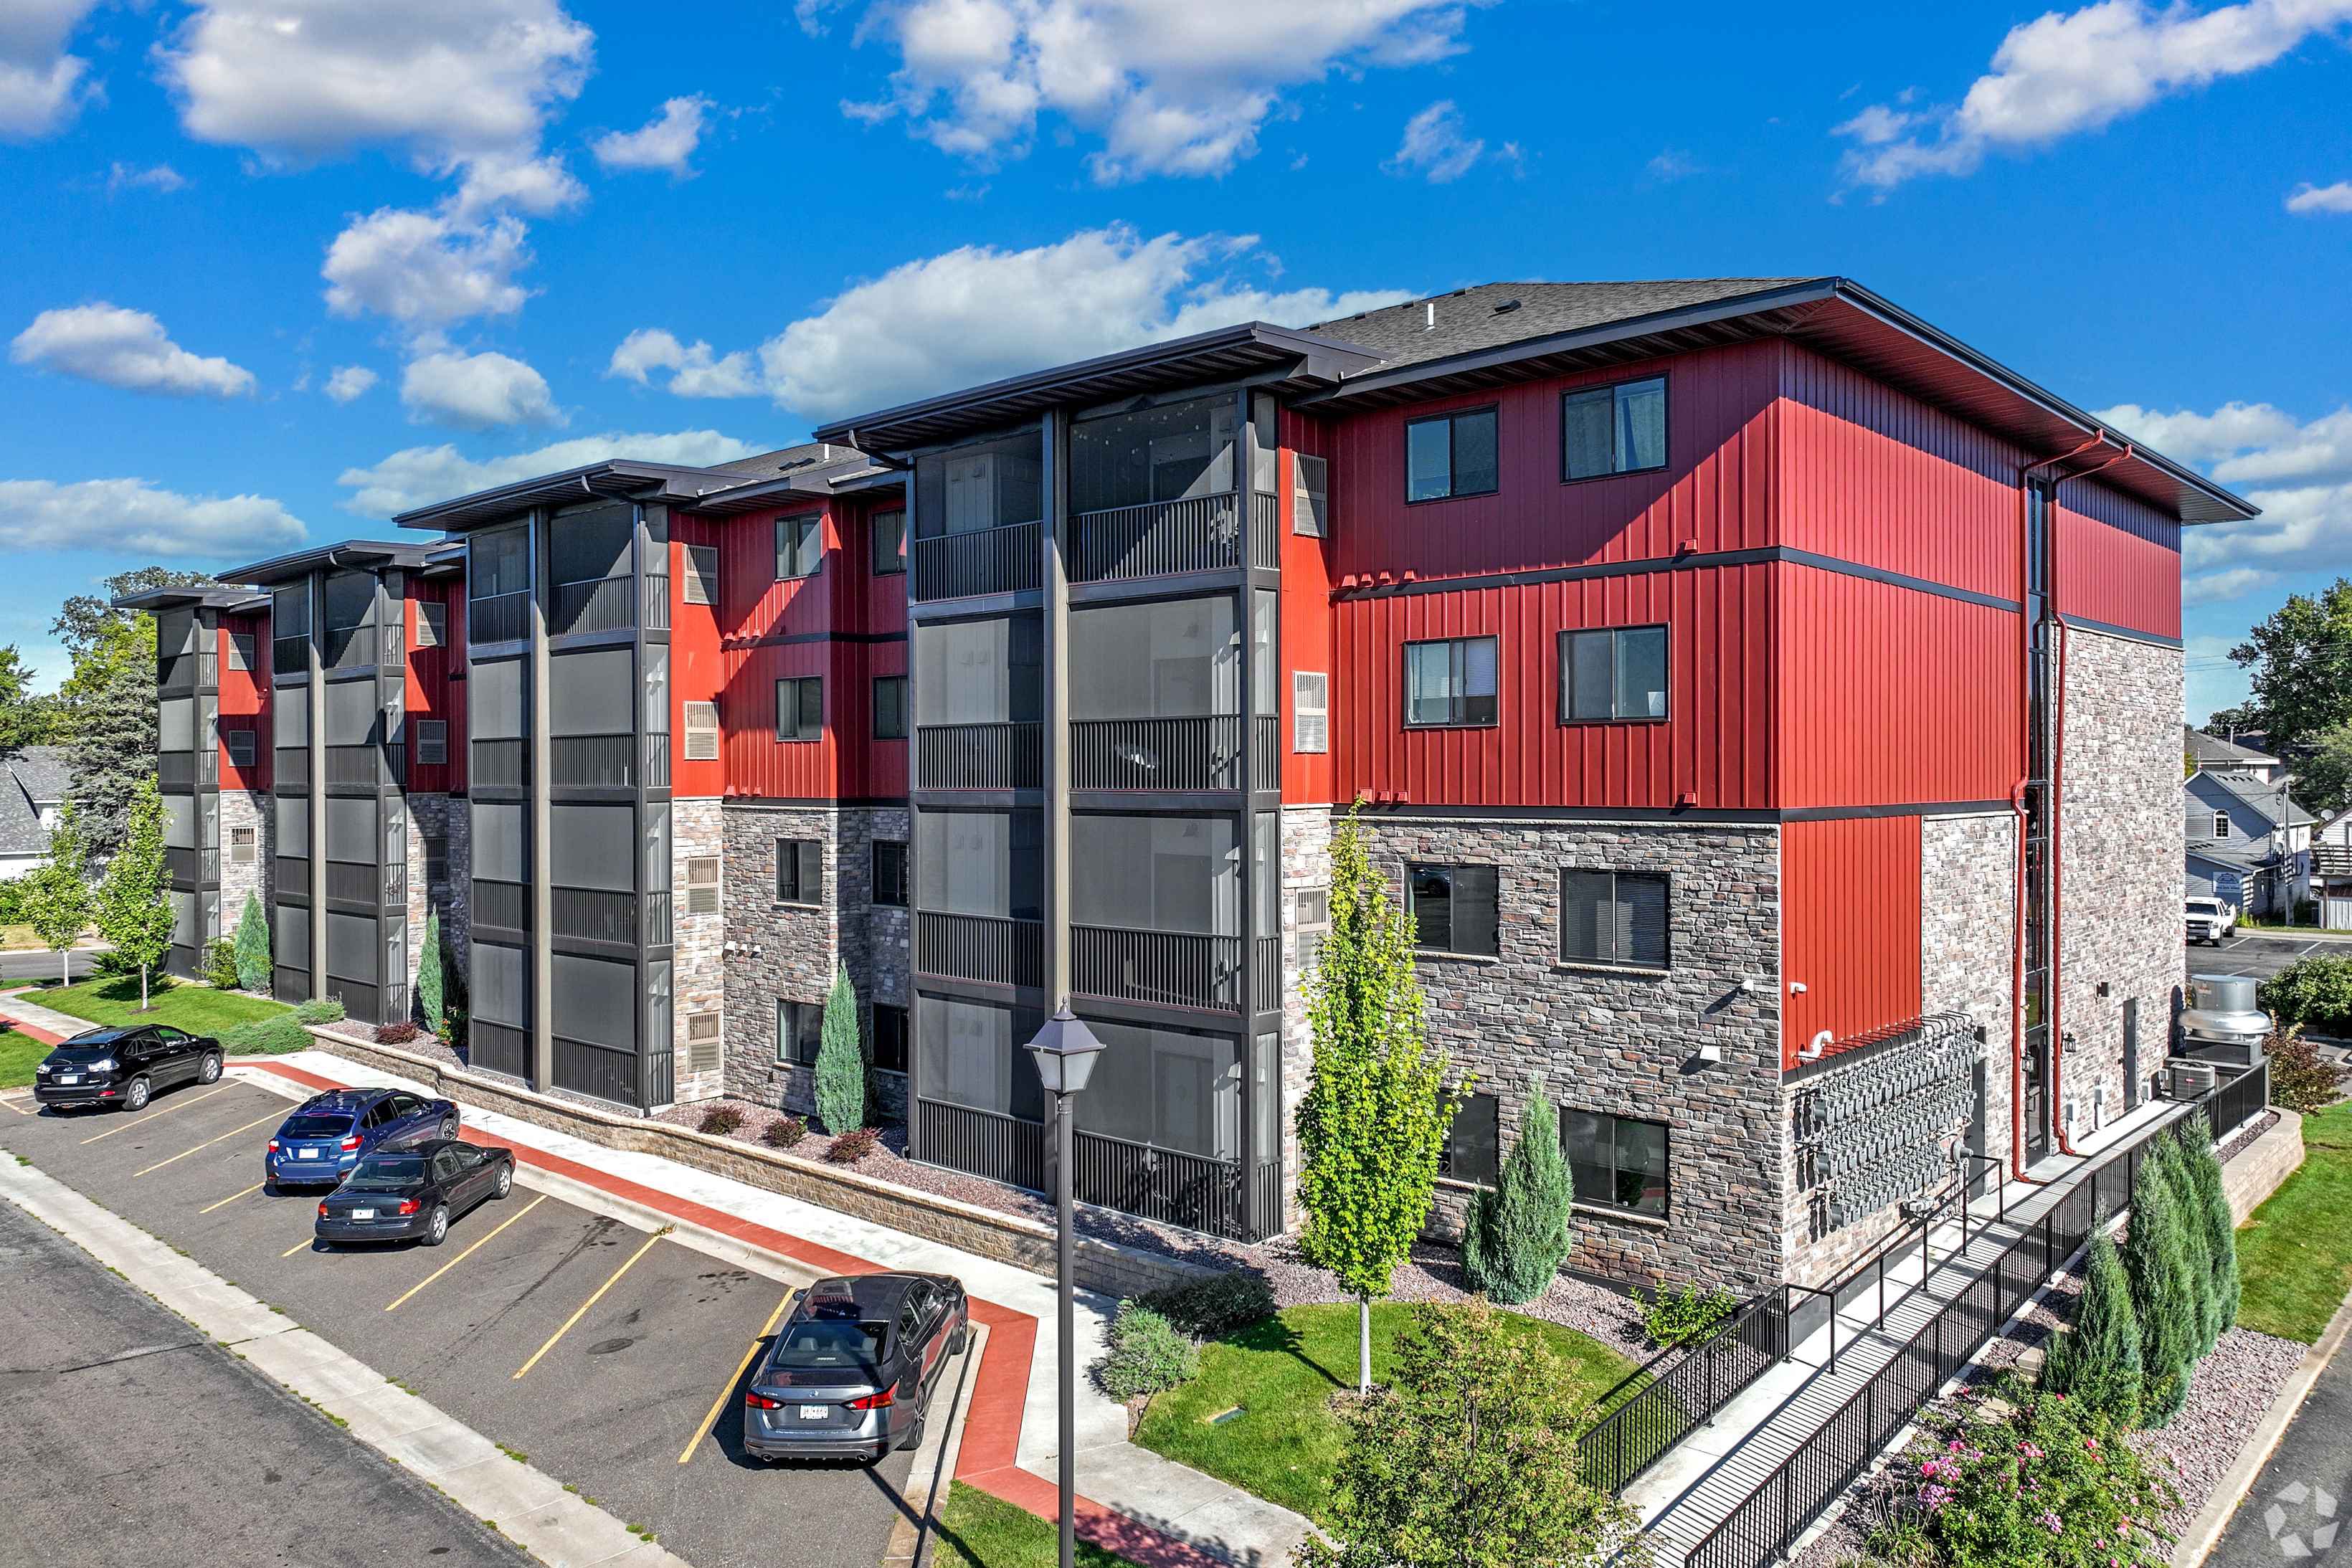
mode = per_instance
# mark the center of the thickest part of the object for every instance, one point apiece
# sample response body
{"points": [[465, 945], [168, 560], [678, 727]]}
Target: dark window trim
{"points": [[789, 1055], [803, 898], [1665, 434], [1450, 416], [1561, 669], [1454, 952], [873, 874], [874, 696], [1613, 1119], [793, 520], [878, 564], [1445, 1156], [795, 736], [906, 1036], [1559, 890], [1404, 687]]}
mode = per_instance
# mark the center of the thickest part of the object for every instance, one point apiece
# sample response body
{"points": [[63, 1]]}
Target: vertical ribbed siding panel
{"points": [[700, 669], [244, 693], [2118, 561], [1850, 926], [427, 686]]}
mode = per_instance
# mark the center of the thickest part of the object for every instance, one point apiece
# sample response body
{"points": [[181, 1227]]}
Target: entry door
{"points": [[2037, 1093], [2131, 1052]]}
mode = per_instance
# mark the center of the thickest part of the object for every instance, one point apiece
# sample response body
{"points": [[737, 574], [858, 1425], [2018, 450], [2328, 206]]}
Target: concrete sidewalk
{"points": [[44, 1024]]}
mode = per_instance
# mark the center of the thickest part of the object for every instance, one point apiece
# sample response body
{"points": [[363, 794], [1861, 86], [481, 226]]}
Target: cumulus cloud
{"points": [[1437, 145], [2307, 198], [1170, 90], [696, 369], [42, 88], [527, 185], [666, 141], [2213, 586], [2299, 472], [126, 349], [420, 476], [133, 516], [426, 269], [162, 178], [2064, 73], [350, 382], [475, 391]]}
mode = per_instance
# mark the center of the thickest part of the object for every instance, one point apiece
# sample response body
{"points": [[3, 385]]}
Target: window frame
{"points": [[804, 1016], [251, 847], [2221, 825], [1452, 464], [438, 737], [244, 651], [1447, 1170], [1563, 668], [694, 574], [1633, 966], [432, 628], [1665, 426], [1615, 1122], [1414, 868], [801, 896], [879, 563], [1404, 688], [874, 881], [901, 732], [906, 1036], [252, 738], [808, 536], [1301, 492], [795, 736]]}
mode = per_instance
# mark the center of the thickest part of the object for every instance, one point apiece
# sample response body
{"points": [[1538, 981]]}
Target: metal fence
{"points": [[1657, 1405]]}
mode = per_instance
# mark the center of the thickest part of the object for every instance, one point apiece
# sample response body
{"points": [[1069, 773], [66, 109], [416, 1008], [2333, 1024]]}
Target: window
{"points": [[1450, 683], [241, 841], [1472, 1150], [1310, 917], [1310, 499], [890, 873], [1614, 430], [800, 708], [1452, 454], [432, 624], [436, 859], [702, 1042], [1613, 674], [1616, 1162], [800, 871], [242, 650], [702, 732], [799, 1031], [431, 741], [1613, 918], [889, 538], [701, 574], [890, 1038], [702, 886], [2221, 824], [1454, 909], [800, 546], [240, 746], [1310, 711], [890, 707]]}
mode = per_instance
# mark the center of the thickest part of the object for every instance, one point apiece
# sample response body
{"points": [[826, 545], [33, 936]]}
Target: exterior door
{"points": [[2131, 1053], [2037, 1093]]}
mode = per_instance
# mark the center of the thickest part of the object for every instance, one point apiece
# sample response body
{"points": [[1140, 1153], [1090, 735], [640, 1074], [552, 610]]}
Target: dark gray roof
{"points": [[361, 554], [2213, 751], [1493, 314], [27, 779], [2270, 800], [44, 772], [2239, 854]]}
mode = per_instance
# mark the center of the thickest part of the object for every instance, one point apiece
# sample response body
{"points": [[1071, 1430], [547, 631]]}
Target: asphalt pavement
{"points": [[132, 1438], [2302, 1503], [42, 964], [2262, 954]]}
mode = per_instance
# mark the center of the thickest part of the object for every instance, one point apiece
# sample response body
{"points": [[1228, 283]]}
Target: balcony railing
{"points": [[1193, 753], [193, 867], [501, 765], [350, 881], [289, 655], [289, 983], [1265, 752], [656, 601], [989, 948], [502, 618], [592, 914], [175, 675], [1173, 968], [657, 745], [2332, 861], [175, 767], [990, 560], [503, 905], [600, 1071], [658, 919], [1191, 1190], [500, 1047], [360, 999], [365, 766], [1265, 976], [1007, 756], [984, 1142], [603, 605], [1196, 533], [1265, 530], [291, 769], [293, 879], [591, 761]]}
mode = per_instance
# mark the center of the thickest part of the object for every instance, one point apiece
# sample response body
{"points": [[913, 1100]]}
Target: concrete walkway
{"points": [[19, 1009]]}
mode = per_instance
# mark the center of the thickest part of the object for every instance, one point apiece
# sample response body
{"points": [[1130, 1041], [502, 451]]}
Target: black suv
{"points": [[124, 1067]]}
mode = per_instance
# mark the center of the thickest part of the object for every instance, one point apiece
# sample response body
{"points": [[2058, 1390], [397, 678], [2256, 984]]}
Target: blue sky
{"points": [[280, 267]]}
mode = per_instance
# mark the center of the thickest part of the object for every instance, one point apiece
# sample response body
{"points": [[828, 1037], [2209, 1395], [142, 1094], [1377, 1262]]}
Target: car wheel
{"points": [[437, 1226], [506, 1182], [448, 1125], [135, 1097], [209, 1070], [913, 1438], [962, 1337]]}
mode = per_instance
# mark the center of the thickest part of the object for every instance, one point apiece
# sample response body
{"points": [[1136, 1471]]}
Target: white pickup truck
{"points": [[2210, 920]]}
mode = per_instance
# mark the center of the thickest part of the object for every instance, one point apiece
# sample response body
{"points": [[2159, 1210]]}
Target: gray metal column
{"points": [[542, 968], [315, 696], [1054, 837]]}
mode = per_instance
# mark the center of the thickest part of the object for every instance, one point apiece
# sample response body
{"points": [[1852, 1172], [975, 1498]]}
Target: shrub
{"points": [[2164, 1297], [2195, 1248], [253, 945], [220, 965], [2209, 1207], [399, 1033], [2098, 1364], [2301, 1079], [840, 1060], [431, 995], [321, 1009], [1146, 1355], [2315, 992], [784, 1133], [1214, 1307], [1516, 1234], [1672, 1318], [272, 1036], [720, 1120], [853, 1146]]}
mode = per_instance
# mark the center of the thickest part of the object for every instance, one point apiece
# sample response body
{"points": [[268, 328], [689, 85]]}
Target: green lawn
{"points": [[1285, 1445], [183, 1004], [2294, 1252], [18, 1053], [977, 1530]]}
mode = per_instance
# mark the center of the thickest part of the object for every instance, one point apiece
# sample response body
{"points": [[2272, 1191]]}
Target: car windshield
{"points": [[829, 1343], [301, 1125], [82, 1051], [2203, 906], [386, 1173]]}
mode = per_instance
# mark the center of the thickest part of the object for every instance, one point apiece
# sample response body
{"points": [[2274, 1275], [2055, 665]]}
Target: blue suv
{"points": [[320, 1143]]}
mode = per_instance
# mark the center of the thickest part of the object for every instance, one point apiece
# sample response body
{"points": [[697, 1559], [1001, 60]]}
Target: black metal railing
{"points": [[1174, 968], [175, 767], [1006, 756], [1175, 1188], [1265, 976], [500, 1047], [361, 999], [191, 867], [291, 766], [293, 877], [1194, 533], [352, 883], [656, 601], [982, 1143], [364, 766], [604, 604], [503, 905], [989, 561], [1185, 753], [500, 765], [657, 745], [502, 618], [1265, 752], [992, 950], [592, 914], [658, 919], [1660, 1403], [288, 983], [603, 1071], [2234, 1104], [591, 761], [1265, 530]]}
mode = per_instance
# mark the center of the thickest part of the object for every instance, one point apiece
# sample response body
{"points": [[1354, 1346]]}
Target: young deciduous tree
{"points": [[429, 992], [134, 909], [840, 1060], [253, 945], [2098, 1362], [2164, 1296], [1516, 1234], [57, 900], [1376, 1110]]}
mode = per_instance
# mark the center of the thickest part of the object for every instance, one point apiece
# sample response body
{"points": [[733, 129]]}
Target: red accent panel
{"points": [[428, 685], [1307, 619], [1848, 927], [698, 669], [244, 697], [2118, 561], [460, 752]]}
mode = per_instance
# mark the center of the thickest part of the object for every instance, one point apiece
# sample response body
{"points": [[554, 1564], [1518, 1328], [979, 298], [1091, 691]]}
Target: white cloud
{"points": [[475, 391], [2298, 472], [162, 178], [696, 371], [2214, 586], [126, 349], [535, 186], [133, 516], [1172, 90], [42, 88], [666, 141], [2076, 71], [350, 382], [2203, 438], [420, 476], [1438, 144], [2309, 198], [425, 269], [1674, 164]]}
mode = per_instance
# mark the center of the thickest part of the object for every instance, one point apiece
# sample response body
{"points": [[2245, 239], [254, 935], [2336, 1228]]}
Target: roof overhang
{"points": [[352, 555], [1301, 361], [1842, 321], [815, 485], [615, 479], [154, 599]]}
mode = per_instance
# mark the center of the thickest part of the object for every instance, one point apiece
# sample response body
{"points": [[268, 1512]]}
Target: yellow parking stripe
{"points": [[10, 1102], [208, 1143], [721, 1402], [143, 1121], [469, 1252], [307, 1242], [232, 1198], [592, 1301]]}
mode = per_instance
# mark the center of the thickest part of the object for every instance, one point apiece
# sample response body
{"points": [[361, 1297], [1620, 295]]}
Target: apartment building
{"points": [[1764, 703]]}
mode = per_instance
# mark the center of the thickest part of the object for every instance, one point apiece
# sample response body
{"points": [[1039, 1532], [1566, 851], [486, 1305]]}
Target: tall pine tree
{"points": [[253, 945], [1516, 1234], [2202, 1164], [840, 1060], [430, 993], [108, 700], [135, 908], [2163, 1295], [2099, 1361]]}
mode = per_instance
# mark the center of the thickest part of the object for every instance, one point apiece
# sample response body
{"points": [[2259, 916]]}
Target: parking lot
{"points": [[2260, 954], [613, 1356]]}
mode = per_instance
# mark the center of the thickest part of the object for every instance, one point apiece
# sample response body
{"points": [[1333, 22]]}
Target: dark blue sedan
{"points": [[320, 1144]]}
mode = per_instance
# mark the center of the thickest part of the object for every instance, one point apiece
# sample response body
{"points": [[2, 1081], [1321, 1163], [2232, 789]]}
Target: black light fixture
{"points": [[1064, 1051]]}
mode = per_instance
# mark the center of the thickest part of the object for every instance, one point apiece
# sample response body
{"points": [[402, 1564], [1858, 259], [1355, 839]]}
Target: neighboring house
{"points": [[2331, 871], [2213, 753], [2249, 844], [32, 796]]}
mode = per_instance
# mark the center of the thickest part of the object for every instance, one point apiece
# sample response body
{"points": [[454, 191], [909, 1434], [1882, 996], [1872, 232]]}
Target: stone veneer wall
{"points": [[1627, 1043], [240, 880], [444, 816], [1306, 867], [698, 941]]}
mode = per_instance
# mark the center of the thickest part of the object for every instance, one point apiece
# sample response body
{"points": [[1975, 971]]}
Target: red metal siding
{"points": [[459, 750], [2118, 561], [428, 687], [1307, 620], [698, 669], [757, 763], [246, 693], [1848, 927]]}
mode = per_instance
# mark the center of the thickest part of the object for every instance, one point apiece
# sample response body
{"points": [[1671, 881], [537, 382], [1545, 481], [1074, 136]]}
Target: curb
{"points": [[935, 1465], [2204, 1531]]}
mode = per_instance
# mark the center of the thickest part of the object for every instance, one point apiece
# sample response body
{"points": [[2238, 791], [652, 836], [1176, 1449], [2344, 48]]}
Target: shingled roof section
{"points": [[1493, 314]]}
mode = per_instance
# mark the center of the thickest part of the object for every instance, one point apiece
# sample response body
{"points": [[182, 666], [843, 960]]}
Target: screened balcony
{"points": [[592, 874], [1158, 917], [1154, 489], [501, 882], [498, 608], [349, 609], [978, 897], [1155, 695], [500, 756], [192, 839], [181, 644], [591, 704], [978, 513], [289, 630], [979, 700], [591, 583]]}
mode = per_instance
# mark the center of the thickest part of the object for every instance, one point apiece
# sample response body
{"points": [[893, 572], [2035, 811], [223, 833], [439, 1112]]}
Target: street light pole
{"points": [[1064, 1051]]}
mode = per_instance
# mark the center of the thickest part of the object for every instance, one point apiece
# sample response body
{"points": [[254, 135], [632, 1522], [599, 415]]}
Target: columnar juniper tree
{"points": [[2164, 1297], [2171, 1151], [133, 912], [2098, 1362], [429, 992], [1376, 1109], [253, 944], [57, 895], [2202, 1164], [1517, 1233], [840, 1061]]}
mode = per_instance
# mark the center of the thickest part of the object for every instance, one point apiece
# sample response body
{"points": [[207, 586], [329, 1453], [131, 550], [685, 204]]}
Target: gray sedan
{"points": [[852, 1372]]}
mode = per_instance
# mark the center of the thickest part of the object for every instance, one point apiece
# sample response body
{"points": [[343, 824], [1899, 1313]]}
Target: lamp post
{"points": [[1065, 1050]]}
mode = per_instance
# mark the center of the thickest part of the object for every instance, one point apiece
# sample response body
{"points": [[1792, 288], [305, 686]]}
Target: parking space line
{"points": [[310, 1240], [469, 1252], [10, 1101], [727, 1392], [232, 1198], [143, 1121], [208, 1143], [592, 1301]]}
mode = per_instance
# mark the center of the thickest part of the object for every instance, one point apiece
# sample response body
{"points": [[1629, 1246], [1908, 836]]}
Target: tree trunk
{"points": [[143, 987], [65, 966], [1363, 1345]]}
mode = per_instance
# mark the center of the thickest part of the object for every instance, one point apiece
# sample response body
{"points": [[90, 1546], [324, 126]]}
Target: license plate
{"points": [[306, 1153], [815, 1412], [363, 1214], [69, 1077]]}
